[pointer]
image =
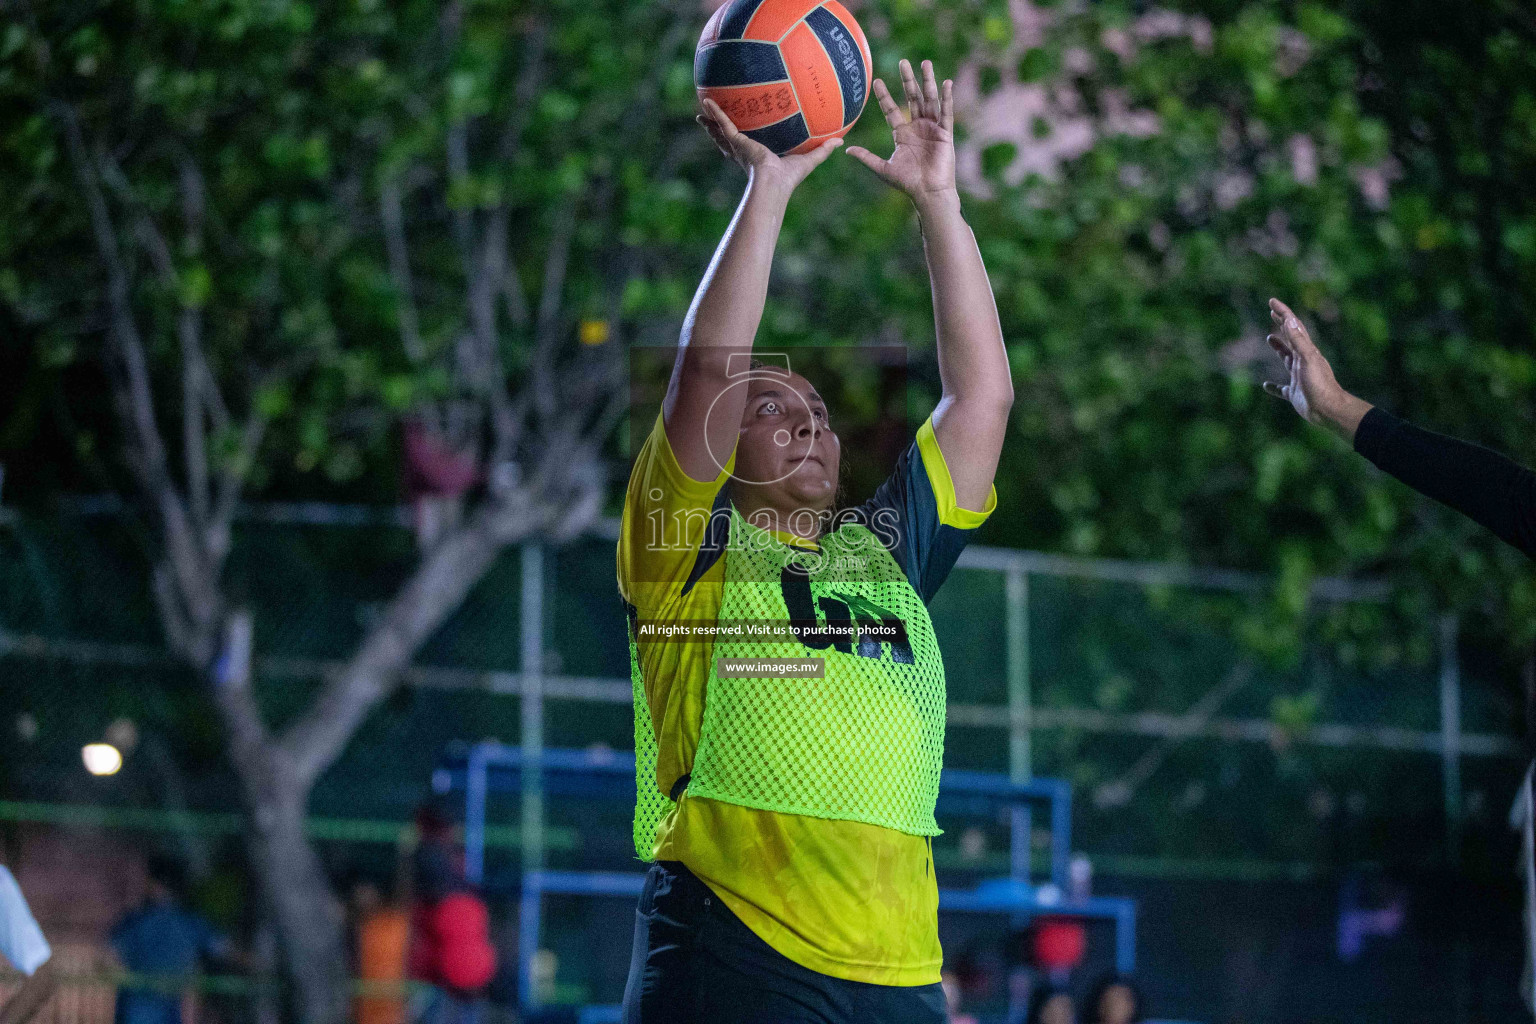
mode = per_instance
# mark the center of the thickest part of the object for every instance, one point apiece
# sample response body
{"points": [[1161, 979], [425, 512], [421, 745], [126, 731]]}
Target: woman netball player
{"points": [[790, 817]]}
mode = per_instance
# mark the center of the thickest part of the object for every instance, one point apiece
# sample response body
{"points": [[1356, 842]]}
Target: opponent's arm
{"points": [[971, 418], [1313, 391], [1493, 491], [702, 412]]}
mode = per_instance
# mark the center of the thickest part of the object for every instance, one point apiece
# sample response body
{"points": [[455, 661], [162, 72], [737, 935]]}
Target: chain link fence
{"points": [[1220, 732]]}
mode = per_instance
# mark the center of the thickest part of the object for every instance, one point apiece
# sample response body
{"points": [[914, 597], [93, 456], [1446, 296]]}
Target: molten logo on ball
{"points": [[851, 62]]}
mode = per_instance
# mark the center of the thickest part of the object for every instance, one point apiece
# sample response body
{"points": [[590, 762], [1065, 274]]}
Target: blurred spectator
{"points": [[23, 945], [1023, 979], [437, 867], [163, 939], [1114, 1000], [450, 943], [381, 936], [1368, 908], [1051, 1005], [1057, 945]]}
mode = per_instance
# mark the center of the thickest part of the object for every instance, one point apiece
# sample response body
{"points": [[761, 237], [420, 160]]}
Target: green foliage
{"points": [[1370, 163]]}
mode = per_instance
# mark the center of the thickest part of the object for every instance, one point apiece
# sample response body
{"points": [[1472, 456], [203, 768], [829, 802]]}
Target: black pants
{"points": [[695, 962]]}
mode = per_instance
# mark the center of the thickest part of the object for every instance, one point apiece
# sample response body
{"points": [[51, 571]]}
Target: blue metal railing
{"points": [[491, 767]]}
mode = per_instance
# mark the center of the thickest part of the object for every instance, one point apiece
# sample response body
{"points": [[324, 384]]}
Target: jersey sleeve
{"points": [[667, 520], [916, 514], [1490, 489], [672, 538]]}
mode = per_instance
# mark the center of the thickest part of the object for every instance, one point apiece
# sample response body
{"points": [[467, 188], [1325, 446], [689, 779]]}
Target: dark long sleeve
{"points": [[1483, 485]]}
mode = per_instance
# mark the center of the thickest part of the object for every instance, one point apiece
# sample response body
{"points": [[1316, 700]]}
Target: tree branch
{"points": [[196, 583], [530, 79], [231, 678], [392, 213], [490, 370], [438, 586], [489, 271], [193, 428], [516, 300], [547, 334], [213, 506], [458, 156], [232, 484]]}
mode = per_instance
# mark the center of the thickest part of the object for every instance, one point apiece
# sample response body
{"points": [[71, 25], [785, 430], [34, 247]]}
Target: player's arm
{"points": [[1493, 491], [971, 418], [702, 413]]}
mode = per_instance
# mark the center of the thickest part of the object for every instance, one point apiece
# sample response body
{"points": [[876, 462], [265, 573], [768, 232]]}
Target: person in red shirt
{"points": [[450, 945]]}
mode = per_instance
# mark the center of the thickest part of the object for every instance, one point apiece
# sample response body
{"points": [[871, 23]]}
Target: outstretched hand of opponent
{"points": [[1312, 390], [757, 159], [923, 163]]}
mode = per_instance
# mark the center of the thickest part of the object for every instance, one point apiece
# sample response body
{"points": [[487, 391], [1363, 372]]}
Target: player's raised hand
{"points": [[1312, 389], [923, 163], [757, 159]]}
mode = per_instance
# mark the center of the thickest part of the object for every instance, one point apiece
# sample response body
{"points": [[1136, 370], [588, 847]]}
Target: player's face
{"points": [[786, 448]]}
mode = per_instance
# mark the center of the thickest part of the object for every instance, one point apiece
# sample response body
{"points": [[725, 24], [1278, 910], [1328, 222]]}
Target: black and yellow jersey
{"points": [[845, 898]]}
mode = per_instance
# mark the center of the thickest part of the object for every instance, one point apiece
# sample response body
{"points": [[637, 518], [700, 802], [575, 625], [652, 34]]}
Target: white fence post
{"points": [[1450, 733], [532, 707], [1020, 714]]}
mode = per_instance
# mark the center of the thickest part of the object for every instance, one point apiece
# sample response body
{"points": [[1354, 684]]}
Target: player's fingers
{"points": [[749, 149], [868, 159], [1290, 325], [823, 151], [888, 105], [947, 106], [724, 124], [930, 90], [1277, 343], [1271, 388], [1281, 312], [909, 86], [714, 134]]}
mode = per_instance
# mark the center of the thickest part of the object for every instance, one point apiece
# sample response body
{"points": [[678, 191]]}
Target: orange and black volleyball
{"points": [[789, 73]]}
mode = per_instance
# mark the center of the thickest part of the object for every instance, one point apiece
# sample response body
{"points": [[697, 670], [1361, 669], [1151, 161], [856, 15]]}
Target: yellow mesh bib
{"points": [[864, 743]]}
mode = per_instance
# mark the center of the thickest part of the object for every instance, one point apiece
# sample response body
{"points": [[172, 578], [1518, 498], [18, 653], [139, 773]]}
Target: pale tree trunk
{"points": [[294, 889], [309, 919], [546, 473], [214, 640]]}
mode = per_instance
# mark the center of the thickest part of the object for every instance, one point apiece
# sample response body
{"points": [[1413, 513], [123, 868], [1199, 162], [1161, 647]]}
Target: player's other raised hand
{"points": [[923, 162]]}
